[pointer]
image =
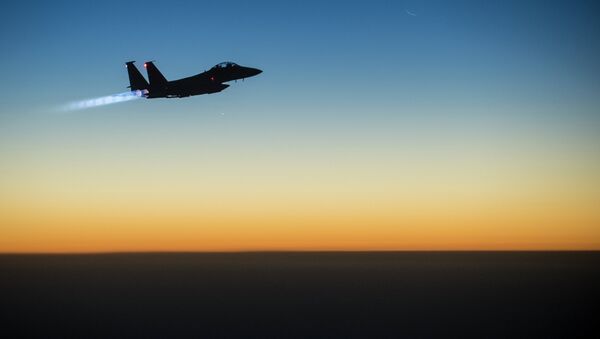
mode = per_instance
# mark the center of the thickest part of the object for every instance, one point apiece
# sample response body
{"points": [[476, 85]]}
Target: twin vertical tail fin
{"points": [[154, 75], [136, 79]]}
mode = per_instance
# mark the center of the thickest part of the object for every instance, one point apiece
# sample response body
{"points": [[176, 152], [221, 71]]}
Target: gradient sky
{"points": [[468, 125]]}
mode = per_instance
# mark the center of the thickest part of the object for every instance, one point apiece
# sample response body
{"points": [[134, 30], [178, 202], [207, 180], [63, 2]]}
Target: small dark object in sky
{"points": [[211, 81]]}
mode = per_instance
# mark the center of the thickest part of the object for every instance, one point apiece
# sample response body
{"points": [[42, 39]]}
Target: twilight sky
{"points": [[375, 125]]}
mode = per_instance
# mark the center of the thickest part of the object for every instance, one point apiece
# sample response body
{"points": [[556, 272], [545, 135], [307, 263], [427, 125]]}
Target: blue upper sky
{"points": [[338, 51], [331, 68]]}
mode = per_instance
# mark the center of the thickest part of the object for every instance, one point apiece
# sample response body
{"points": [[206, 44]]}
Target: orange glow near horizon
{"points": [[305, 209]]}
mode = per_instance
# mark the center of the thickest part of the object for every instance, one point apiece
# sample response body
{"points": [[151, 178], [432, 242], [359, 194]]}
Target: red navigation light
{"points": [[145, 65], [212, 78]]}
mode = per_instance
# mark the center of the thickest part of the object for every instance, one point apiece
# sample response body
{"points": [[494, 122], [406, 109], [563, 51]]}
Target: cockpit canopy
{"points": [[226, 64]]}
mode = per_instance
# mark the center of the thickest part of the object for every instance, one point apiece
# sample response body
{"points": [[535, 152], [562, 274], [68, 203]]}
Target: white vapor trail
{"points": [[105, 100]]}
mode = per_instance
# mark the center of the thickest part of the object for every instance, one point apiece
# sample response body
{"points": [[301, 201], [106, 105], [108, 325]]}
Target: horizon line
{"points": [[304, 251]]}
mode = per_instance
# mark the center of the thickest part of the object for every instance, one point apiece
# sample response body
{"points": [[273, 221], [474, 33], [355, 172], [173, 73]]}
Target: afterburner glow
{"points": [[105, 100]]}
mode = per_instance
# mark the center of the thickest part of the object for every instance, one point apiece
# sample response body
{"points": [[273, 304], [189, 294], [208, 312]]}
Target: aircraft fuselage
{"points": [[211, 81]]}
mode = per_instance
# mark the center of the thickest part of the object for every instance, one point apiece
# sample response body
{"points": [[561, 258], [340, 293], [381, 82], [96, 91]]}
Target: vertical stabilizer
{"points": [[136, 79], [155, 77]]}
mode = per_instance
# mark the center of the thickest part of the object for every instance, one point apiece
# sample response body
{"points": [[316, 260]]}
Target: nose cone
{"points": [[254, 71]]}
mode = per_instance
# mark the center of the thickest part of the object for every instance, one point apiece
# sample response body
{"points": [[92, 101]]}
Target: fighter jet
{"points": [[211, 81]]}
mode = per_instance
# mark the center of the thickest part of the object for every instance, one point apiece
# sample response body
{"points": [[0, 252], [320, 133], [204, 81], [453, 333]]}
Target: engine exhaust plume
{"points": [[105, 100]]}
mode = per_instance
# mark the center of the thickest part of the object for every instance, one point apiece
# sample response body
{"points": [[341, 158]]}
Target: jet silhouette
{"points": [[211, 81]]}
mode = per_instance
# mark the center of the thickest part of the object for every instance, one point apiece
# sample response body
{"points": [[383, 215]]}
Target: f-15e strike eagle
{"points": [[211, 81]]}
